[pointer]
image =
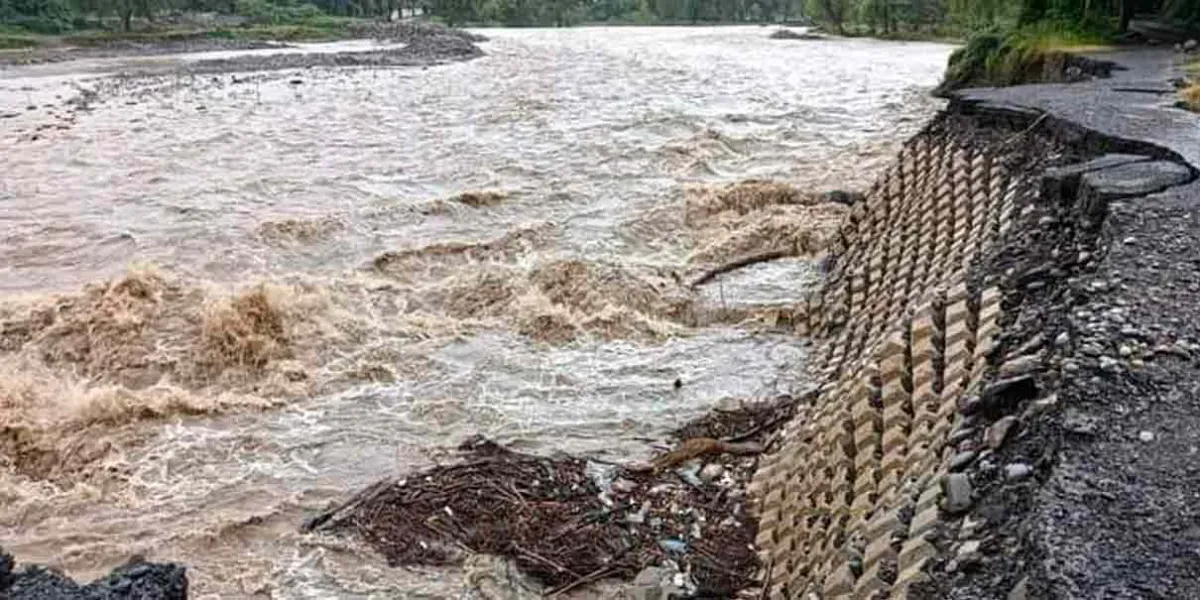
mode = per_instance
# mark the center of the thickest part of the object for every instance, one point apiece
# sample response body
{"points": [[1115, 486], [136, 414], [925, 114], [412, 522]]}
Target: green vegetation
{"points": [[1034, 53], [1038, 24], [1029, 41]]}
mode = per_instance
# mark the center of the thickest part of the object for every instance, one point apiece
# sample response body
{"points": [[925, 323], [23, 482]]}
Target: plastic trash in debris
{"points": [[690, 474], [639, 517], [673, 546], [602, 476]]}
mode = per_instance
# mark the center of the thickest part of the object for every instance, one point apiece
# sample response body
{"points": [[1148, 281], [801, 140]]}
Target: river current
{"points": [[227, 301]]}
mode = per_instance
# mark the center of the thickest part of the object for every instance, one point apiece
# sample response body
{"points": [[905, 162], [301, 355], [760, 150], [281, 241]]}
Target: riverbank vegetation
{"points": [[1007, 29], [1028, 41]]}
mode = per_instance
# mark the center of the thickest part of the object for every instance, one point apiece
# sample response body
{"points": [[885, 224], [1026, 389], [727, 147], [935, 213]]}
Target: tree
{"points": [[835, 12]]}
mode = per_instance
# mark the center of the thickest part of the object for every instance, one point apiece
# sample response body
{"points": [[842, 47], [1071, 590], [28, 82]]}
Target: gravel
{"points": [[1097, 494]]}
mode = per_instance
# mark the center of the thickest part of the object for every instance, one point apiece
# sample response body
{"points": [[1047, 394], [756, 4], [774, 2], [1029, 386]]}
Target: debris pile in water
{"points": [[135, 579], [567, 521], [409, 31], [788, 34]]}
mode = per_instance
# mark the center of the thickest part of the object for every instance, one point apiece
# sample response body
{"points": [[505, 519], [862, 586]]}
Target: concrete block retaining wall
{"points": [[901, 337]]}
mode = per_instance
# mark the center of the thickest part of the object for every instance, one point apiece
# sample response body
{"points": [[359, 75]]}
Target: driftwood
{"points": [[704, 446], [739, 263], [565, 524], [331, 517]]}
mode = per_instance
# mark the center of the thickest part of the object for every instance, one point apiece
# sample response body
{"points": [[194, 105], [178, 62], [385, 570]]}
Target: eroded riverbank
{"points": [[325, 307]]}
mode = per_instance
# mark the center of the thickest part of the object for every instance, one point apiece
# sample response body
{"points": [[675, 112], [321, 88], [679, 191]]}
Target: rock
{"points": [[1146, 436], [962, 459], [135, 579], [1020, 591], [968, 553], [1010, 391], [1133, 179], [1042, 405], [958, 493], [489, 577], [711, 472], [842, 197], [1125, 351], [970, 526], [969, 404], [1079, 423], [1190, 45], [1030, 346], [996, 434], [1109, 364], [655, 583], [1017, 471], [1019, 366], [959, 434]]}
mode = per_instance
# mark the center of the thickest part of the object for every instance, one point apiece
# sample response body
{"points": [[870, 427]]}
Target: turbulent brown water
{"points": [[230, 300]]}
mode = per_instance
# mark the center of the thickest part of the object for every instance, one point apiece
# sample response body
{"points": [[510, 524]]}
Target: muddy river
{"points": [[227, 301]]}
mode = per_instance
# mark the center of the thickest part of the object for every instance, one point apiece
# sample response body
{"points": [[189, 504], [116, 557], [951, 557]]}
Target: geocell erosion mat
{"points": [[847, 490], [905, 327]]}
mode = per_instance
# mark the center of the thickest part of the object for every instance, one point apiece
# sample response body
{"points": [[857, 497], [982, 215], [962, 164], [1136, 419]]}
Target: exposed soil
{"points": [[992, 60]]}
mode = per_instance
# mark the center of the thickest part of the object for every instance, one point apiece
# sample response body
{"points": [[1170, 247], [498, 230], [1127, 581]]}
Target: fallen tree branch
{"points": [[745, 261]]}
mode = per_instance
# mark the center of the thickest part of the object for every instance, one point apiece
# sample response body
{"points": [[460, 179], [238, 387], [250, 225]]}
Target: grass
{"points": [[316, 28], [1037, 53], [1053, 37], [17, 37], [947, 35]]}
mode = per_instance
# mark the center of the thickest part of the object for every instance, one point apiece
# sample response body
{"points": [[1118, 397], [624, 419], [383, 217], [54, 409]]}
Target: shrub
{"points": [[39, 16], [264, 11]]}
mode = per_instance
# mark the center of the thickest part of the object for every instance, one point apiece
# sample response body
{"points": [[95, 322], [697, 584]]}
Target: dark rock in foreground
{"points": [[135, 580]]}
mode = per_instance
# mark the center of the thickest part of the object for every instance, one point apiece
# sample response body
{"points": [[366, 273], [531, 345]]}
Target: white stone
{"points": [[1017, 471], [711, 472]]}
